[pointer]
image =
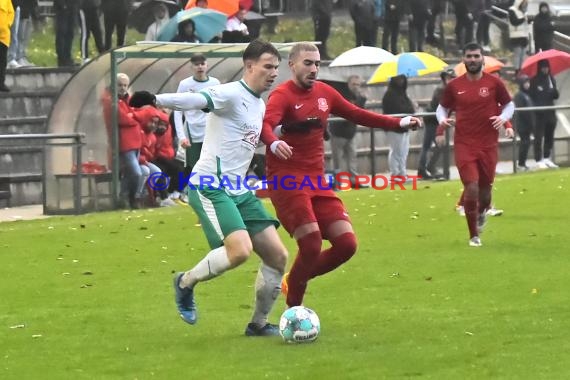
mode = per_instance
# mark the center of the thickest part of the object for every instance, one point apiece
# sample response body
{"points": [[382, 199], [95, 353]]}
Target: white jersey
{"points": [[233, 127], [193, 127]]}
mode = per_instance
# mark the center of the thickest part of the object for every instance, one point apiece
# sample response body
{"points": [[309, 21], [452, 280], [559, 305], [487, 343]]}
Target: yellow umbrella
{"points": [[412, 64]]}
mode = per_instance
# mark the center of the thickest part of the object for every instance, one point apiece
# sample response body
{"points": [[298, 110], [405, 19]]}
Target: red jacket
{"points": [[144, 116], [164, 142], [129, 128]]}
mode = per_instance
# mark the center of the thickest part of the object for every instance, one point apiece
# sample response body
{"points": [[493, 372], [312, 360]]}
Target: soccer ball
{"points": [[299, 324]]}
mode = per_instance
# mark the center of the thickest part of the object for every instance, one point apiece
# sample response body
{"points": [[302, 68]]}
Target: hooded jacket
{"points": [[543, 28], [543, 91], [527, 119]]}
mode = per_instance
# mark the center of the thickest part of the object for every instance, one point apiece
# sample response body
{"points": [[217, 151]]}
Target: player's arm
{"points": [[504, 98], [345, 109], [443, 112], [183, 101], [178, 122], [273, 114]]}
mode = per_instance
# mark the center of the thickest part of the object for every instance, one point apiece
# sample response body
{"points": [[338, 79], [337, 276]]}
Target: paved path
{"points": [[22, 213]]}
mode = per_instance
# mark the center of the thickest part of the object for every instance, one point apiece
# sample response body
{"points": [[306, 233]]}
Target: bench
{"points": [[93, 192], [5, 193]]}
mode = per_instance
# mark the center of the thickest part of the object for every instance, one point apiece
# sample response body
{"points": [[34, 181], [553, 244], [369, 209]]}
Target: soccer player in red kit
{"points": [[477, 99], [311, 212]]}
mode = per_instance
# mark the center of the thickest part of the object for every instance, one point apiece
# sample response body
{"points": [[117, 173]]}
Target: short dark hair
{"points": [[257, 48], [198, 58], [472, 46]]}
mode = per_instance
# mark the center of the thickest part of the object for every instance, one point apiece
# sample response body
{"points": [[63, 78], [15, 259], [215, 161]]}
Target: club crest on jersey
{"points": [[322, 104], [484, 92], [251, 138]]}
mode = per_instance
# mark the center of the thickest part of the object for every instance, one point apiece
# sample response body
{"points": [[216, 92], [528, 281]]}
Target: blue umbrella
{"points": [[208, 23]]}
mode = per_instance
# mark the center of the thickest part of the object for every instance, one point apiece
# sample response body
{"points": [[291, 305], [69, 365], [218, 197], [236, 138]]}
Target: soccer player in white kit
{"points": [[233, 219]]}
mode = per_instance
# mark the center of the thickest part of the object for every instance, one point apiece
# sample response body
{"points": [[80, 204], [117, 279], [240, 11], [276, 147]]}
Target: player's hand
{"points": [[410, 122], [185, 143], [509, 133], [497, 122], [448, 123], [282, 150], [440, 140]]}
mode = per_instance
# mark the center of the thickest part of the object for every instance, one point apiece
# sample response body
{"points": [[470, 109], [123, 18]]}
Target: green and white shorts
{"points": [[221, 214]]}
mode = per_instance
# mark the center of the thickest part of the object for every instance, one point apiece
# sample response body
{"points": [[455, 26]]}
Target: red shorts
{"points": [[476, 164], [296, 208]]}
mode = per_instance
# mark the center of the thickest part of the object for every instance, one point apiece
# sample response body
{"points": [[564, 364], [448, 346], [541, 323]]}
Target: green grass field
{"points": [[94, 296]]}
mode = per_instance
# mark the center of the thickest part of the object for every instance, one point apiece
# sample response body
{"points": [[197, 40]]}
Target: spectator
{"points": [[428, 170], [130, 141], [21, 33], [524, 122], [161, 18], [363, 13], [393, 11], [235, 23], [436, 7], [236, 30], [165, 156], [6, 20], [186, 32], [483, 23], [396, 101], [322, 13], [543, 92], [464, 20], [65, 16], [418, 15], [148, 118], [342, 133], [89, 24], [115, 15], [543, 28], [518, 32]]}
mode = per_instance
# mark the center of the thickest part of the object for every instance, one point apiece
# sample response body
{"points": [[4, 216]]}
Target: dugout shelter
{"points": [[83, 176]]}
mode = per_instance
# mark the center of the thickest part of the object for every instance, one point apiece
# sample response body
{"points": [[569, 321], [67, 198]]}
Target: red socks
{"points": [[311, 262], [309, 250], [342, 249]]}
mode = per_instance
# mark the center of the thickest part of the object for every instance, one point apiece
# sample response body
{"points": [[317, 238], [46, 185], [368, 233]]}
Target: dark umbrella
{"points": [[143, 16]]}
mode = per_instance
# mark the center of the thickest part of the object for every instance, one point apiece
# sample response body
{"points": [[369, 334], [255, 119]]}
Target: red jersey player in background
{"points": [[477, 99], [301, 106]]}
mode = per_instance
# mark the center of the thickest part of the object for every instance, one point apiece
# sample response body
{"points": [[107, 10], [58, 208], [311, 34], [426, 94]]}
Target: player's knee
{"points": [[281, 259], [239, 252], [346, 245], [310, 246]]}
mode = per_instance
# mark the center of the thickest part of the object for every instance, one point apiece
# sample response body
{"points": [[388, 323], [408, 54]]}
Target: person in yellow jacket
{"points": [[6, 20]]}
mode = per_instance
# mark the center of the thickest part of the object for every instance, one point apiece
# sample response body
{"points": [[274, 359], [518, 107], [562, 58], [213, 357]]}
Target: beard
{"points": [[474, 68]]}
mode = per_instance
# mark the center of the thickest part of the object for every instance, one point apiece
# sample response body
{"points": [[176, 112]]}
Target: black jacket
{"points": [[346, 128], [543, 30]]}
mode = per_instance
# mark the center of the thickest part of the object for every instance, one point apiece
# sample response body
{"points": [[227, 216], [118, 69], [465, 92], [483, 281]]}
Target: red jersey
{"points": [[289, 104], [474, 103]]}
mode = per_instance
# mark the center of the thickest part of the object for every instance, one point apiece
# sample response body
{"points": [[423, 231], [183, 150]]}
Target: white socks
{"points": [[267, 288], [214, 264]]}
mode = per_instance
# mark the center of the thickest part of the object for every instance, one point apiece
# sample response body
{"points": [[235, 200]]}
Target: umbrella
{"points": [[558, 60], [229, 7], [413, 64], [362, 55], [208, 24], [143, 15], [491, 65]]}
